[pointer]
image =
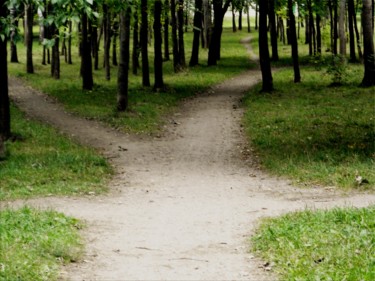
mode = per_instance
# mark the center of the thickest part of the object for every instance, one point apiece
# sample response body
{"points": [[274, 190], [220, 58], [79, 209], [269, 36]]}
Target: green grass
{"points": [[47, 163], [146, 108], [320, 245], [314, 133], [35, 244]]}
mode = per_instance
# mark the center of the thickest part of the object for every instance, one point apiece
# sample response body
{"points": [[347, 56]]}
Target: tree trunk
{"points": [[144, 46], [264, 56], [256, 15], [114, 42], [55, 64], [181, 45], [358, 38], [166, 31], [368, 45], [123, 68], [13, 34], [335, 31], [86, 62], [351, 15], [318, 35], [135, 53], [176, 62], [294, 43], [107, 41], [248, 17], [342, 27], [240, 19], [29, 15], [207, 24], [197, 30], [4, 95], [95, 46], [158, 58], [272, 23], [234, 27], [70, 43]]}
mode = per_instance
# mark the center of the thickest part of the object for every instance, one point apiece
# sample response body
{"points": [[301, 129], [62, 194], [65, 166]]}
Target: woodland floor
{"points": [[181, 205]]}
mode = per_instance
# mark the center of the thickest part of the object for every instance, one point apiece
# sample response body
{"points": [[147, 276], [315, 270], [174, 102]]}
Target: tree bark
{"points": [[248, 17], [234, 27], [70, 43], [4, 94], [197, 30], [107, 41], [123, 68], [166, 31], [55, 64], [181, 45], [86, 62], [176, 61], [29, 15], [144, 45], [294, 43], [351, 15], [13, 34], [135, 53], [114, 42], [207, 24], [368, 45], [158, 58], [342, 27], [272, 23], [264, 57]]}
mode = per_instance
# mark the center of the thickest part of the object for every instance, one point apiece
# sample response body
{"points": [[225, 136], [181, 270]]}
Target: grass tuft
{"points": [[320, 245], [35, 244]]}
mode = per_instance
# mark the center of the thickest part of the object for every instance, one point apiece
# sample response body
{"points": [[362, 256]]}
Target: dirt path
{"points": [[181, 206]]}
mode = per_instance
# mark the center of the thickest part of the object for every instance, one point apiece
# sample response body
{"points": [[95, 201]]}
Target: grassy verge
{"points": [[46, 163], [314, 133], [322, 245], [35, 244], [146, 108]]}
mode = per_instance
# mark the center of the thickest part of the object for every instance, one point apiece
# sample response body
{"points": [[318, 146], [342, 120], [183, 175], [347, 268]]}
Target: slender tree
{"points": [[86, 62], [272, 24], [197, 30], [123, 68], [368, 44], [166, 30], [29, 16], [264, 56], [294, 43], [351, 16], [342, 34], [158, 58], [144, 45], [180, 25], [107, 40]]}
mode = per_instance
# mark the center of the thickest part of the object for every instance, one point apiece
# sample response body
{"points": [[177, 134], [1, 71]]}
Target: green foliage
{"points": [[314, 133], [34, 244], [47, 163], [337, 69], [320, 245]]}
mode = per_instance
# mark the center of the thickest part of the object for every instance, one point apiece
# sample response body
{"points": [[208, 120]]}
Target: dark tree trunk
{"points": [[307, 30], [197, 30], [272, 23], [70, 43], [331, 19], [281, 30], [158, 58], [166, 30], [86, 62], [335, 30], [248, 18], [95, 46], [55, 64], [234, 27], [240, 19], [114, 42], [351, 15], [123, 69], [207, 24], [215, 45], [264, 56], [358, 38], [4, 94], [135, 53], [368, 45], [13, 34], [144, 46], [181, 46], [176, 62], [29, 15], [107, 41], [318, 35], [294, 43], [256, 15]]}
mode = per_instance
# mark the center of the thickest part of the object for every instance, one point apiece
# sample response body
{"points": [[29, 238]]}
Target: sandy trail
{"points": [[182, 206]]}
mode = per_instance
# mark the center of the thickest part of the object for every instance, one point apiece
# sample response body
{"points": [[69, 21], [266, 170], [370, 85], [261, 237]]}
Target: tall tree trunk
{"points": [[181, 45], [55, 64], [144, 45], [342, 27], [176, 62], [335, 30], [86, 62], [123, 68], [197, 30], [272, 23], [107, 41], [240, 18], [114, 42], [158, 58], [13, 34], [294, 43], [135, 53], [264, 56], [248, 17], [331, 20], [4, 94], [318, 35], [95, 46], [207, 24], [256, 15], [368, 45], [70, 43], [351, 15], [358, 37], [234, 27], [29, 16], [166, 30]]}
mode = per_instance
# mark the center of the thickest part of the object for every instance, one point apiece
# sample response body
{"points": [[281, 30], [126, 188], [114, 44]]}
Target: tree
{"points": [[215, 44], [272, 23], [342, 34], [197, 33], [86, 62], [107, 40], [4, 95], [181, 45], [293, 42], [158, 58], [123, 68], [368, 45], [29, 16], [144, 47], [264, 56], [135, 54], [166, 30]]}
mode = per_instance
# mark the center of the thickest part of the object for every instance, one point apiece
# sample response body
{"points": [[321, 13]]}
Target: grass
{"points": [[47, 163], [34, 244], [320, 245], [316, 134], [147, 109]]}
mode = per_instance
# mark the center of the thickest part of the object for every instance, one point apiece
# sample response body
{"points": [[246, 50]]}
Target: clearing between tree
{"points": [[182, 205]]}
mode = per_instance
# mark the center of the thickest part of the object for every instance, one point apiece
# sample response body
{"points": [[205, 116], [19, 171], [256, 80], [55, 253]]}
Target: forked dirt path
{"points": [[181, 207]]}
